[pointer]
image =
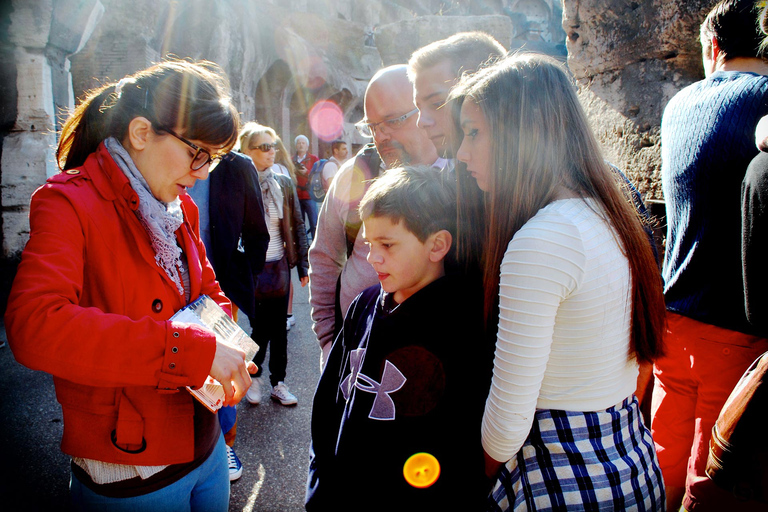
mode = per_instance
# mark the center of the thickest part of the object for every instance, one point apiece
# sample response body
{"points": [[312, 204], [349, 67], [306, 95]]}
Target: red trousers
{"points": [[693, 381]]}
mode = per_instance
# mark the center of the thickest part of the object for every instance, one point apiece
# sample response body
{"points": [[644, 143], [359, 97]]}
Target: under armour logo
{"points": [[392, 380]]}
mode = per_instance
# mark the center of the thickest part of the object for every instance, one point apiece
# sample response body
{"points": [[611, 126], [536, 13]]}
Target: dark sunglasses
{"points": [[202, 156], [266, 147]]}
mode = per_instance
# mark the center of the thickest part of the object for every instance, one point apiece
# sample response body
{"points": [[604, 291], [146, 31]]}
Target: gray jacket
{"points": [[328, 253]]}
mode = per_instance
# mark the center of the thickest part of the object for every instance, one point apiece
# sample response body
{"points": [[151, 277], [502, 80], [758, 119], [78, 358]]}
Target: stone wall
{"points": [[26, 145], [397, 41], [630, 58], [40, 36], [282, 58]]}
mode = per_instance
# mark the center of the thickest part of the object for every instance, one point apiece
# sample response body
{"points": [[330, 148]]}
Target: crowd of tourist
{"points": [[478, 251]]}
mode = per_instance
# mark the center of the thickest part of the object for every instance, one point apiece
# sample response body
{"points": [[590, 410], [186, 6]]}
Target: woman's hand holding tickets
{"points": [[232, 371]]}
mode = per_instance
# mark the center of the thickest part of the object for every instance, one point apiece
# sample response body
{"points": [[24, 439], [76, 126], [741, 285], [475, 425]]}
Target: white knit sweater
{"points": [[564, 324]]}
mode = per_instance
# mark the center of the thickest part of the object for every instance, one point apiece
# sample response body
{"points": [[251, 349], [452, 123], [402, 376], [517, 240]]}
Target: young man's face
{"points": [[341, 152], [430, 90], [401, 261]]}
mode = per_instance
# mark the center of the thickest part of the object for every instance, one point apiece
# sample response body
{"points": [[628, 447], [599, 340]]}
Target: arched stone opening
{"points": [[297, 106], [538, 20], [268, 97], [343, 99]]}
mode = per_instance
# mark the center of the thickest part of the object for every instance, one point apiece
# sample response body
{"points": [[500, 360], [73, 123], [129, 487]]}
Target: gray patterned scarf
{"points": [[161, 220], [270, 187]]}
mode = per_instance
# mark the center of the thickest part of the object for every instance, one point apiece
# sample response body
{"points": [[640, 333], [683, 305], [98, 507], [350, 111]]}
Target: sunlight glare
{"points": [[261, 472]]}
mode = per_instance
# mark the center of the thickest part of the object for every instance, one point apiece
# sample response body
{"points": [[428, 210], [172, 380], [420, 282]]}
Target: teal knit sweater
{"points": [[707, 142]]}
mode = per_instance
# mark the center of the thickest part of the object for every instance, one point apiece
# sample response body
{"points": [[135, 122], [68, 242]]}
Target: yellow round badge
{"points": [[421, 470]]}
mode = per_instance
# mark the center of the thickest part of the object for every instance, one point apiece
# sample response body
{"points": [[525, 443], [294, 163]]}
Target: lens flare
{"points": [[327, 120], [421, 470]]}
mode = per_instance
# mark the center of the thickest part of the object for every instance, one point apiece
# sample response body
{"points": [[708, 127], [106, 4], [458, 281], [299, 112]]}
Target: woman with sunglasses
{"points": [[287, 249], [114, 251]]}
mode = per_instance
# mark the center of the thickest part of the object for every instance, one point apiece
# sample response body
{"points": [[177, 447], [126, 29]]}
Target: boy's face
{"points": [[401, 261]]}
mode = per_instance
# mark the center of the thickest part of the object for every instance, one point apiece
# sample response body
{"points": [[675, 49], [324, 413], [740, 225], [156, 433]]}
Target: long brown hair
{"points": [[283, 157], [542, 142], [471, 213], [190, 97]]}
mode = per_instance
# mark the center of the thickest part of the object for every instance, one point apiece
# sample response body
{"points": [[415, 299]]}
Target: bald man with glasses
{"points": [[339, 270]]}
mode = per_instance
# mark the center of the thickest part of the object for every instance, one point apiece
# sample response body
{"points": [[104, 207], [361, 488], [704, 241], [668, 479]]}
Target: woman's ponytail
{"points": [[189, 97], [85, 128]]}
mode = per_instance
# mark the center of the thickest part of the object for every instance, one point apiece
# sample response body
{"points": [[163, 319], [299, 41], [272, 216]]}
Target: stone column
{"points": [[27, 158], [44, 34]]}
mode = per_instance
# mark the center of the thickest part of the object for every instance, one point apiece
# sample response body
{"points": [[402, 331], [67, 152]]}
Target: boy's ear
{"points": [[138, 132], [441, 244]]}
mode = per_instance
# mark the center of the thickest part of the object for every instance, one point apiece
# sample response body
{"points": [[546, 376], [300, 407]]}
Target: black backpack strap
{"points": [[367, 162]]}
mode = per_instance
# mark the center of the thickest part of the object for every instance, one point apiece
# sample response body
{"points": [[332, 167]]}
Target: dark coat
{"points": [[236, 208]]}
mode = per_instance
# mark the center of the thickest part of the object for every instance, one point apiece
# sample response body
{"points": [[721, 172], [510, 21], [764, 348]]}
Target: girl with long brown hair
{"points": [[578, 292]]}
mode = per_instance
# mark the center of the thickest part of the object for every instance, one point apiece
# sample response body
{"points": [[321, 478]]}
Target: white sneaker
{"points": [[290, 321], [282, 395], [253, 395]]}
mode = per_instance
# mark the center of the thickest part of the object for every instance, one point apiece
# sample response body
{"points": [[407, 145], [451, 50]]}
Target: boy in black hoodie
{"points": [[408, 375]]}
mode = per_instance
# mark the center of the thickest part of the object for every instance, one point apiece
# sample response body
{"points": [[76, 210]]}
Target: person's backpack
{"points": [[738, 454], [315, 181]]}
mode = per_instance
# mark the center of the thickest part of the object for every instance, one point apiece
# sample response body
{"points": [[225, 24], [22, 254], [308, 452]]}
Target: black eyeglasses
{"points": [[202, 156], [266, 147]]}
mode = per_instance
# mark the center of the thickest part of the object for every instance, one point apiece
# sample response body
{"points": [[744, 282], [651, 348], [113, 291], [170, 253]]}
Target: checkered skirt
{"points": [[583, 461]]}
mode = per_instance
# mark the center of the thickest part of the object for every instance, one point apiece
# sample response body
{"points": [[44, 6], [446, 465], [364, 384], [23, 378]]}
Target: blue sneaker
{"points": [[235, 467]]}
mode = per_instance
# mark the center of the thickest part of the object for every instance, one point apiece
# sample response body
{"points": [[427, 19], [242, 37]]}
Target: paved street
{"points": [[272, 440]]}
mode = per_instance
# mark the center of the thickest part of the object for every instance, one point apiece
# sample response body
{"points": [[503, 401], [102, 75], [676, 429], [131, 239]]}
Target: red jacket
{"points": [[303, 176], [90, 306]]}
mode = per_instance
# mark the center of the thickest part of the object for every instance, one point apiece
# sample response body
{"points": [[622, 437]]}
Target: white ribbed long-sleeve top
{"points": [[564, 324]]}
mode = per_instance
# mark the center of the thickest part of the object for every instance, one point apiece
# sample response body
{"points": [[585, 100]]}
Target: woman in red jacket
{"points": [[114, 251]]}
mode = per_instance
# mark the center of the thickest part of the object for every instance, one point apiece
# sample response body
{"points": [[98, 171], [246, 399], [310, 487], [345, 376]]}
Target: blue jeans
{"points": [[309, 208], [205, 489]]}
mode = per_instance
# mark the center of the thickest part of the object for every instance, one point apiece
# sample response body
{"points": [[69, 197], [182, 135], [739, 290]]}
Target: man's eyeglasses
{"points": [[266, 147], [387, 126], [202, 156]]}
